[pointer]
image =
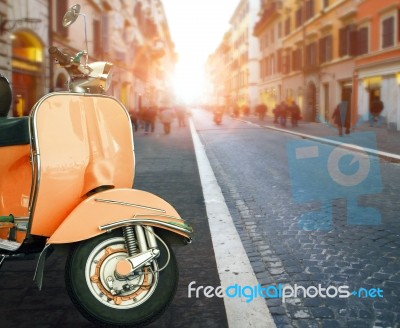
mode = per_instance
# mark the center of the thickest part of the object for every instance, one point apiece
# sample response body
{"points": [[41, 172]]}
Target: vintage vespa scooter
{"points": [[66, 174]]}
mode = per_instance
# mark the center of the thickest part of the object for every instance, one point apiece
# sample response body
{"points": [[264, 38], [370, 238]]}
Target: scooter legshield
{"points": [[115, 208]]}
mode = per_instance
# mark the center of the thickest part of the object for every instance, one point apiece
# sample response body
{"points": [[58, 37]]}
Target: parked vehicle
{"points": [[66, 176]]}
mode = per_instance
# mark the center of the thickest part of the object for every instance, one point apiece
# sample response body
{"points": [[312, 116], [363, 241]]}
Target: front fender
{"points": [[115, 208]]}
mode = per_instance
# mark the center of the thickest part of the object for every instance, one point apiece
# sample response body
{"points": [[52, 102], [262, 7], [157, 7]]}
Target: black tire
{"points": [[102, 314]]}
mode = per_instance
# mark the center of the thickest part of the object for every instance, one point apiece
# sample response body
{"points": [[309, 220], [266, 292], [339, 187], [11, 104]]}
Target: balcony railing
{"points": [[268, 15]]}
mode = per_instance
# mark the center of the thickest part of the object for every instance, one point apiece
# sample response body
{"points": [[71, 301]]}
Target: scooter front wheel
{"points": [[106, 299]]}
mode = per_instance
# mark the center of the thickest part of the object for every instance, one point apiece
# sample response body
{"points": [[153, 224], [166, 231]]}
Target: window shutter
{"points": [[321, 46], [105, 34], [388, 32], [362, 41], [288, 62], [353, 43], [61, 8], [279, 60], [329, 48], [398, 25], [342, 41], [314, 51]]}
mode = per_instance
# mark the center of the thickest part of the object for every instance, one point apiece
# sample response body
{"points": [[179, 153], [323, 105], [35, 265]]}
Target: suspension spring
{"points": [[130, 240]]}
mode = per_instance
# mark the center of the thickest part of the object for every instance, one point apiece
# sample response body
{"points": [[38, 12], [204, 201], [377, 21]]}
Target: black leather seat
{"points": [[5, 96], [14, 131]]}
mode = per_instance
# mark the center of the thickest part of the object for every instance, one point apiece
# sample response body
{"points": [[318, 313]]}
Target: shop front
{"points": [[28, 77]]}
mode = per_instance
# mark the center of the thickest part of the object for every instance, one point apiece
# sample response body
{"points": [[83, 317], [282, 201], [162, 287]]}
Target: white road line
{"points": [[232, 262], [378, 153]]}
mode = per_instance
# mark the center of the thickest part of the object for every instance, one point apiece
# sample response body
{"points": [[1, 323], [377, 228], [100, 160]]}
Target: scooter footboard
{"points": [[116, 208]]}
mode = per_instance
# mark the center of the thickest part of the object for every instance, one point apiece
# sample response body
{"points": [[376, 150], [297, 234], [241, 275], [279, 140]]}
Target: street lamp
{"points": [[7, 25]]}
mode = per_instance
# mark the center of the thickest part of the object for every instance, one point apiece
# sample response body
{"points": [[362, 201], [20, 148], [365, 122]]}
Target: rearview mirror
{"points": [[71, 15]]}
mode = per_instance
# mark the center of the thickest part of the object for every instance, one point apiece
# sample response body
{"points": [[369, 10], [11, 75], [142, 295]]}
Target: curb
{"points": [[381, 154]]}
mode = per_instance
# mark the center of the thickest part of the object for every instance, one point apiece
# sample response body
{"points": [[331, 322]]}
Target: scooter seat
{"points": [[14, 131]]}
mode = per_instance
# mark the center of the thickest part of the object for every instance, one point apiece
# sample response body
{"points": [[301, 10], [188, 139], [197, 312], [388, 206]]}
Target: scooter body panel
{"points": [[80, 142], [15, 181], [113, 206]]}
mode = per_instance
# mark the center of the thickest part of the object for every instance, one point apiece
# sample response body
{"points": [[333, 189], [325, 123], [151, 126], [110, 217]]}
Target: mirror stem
{"points": [[86, 40]]}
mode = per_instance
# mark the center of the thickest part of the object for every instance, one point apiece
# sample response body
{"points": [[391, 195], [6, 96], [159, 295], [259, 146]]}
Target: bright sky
{"points": [[197, 28]]}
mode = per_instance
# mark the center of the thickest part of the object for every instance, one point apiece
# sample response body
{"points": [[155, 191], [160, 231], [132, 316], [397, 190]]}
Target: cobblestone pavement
{"points": [[251, 166], [166, 166]]}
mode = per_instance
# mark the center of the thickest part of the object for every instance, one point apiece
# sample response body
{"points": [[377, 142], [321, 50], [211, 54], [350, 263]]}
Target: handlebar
{"points": [[62, 58]]}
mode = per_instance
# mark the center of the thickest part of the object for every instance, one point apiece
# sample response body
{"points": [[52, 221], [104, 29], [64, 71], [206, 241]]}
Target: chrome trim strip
{"points": [[111, 201], [160, 215], [125, 222]]}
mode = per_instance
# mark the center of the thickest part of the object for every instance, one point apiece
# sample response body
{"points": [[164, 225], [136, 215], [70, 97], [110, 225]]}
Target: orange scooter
{"points": [[66, 176]]}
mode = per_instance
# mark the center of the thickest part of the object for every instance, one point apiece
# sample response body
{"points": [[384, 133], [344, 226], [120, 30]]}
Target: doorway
{"points": [[347, 92], [311, 112], [28, 83]]}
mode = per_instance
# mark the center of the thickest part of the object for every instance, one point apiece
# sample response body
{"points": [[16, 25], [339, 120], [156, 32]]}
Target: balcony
{"points": [[269, 14], [157, 49]]}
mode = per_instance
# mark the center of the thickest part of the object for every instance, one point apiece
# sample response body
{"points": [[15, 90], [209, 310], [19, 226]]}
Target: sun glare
{"points": [[188, 84]]}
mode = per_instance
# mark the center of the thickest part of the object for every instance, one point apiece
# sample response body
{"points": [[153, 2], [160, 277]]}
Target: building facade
{"points": [[218, 91], [268, 30], [321, 52], [377, 66], [244, 66], [24, 36], [131, 34]]}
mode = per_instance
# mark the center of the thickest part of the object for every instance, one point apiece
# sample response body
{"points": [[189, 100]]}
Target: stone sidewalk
{"points": [[387, 140]]}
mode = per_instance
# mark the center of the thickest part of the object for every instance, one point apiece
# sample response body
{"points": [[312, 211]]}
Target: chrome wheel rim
{"points": [[113, 291]]}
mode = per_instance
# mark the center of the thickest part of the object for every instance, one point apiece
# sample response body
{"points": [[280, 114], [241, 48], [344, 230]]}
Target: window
{"points": [[388, 32], [105, 35], [398, 25], [279, 30], [309, 9], [279, 61], [287, 26], [299, 17], [311, 55], [264, 67], [286, 62], [297, 60], [97, 37], [61, 9], [273, 69], [272, 35], [362, 41], [325, 49], [345, 40]]}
